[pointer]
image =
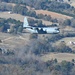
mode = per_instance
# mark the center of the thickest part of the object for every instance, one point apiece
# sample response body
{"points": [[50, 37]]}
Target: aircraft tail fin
{"points": [[26, 24]]}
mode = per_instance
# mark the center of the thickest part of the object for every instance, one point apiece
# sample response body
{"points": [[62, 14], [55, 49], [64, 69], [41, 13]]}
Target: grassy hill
{"points": [[10, 41], [59, 56]]}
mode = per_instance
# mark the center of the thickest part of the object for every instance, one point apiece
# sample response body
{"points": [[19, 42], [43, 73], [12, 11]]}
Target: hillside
{"points": [[12, 41], [53, 14], [20, 17], [23, 53], [59, 56]]}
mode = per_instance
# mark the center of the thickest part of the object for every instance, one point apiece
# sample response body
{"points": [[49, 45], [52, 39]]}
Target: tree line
{"points": [[22, 61], [50, 5], [11, 24], [23, 10]]}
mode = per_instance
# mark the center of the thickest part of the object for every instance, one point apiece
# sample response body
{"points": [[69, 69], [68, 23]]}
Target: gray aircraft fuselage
{"points": [[39, 30], [43, 30]]}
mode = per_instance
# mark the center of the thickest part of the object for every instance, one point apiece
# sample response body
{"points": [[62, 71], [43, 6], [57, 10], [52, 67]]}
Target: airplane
{"points": [[40, 30]]}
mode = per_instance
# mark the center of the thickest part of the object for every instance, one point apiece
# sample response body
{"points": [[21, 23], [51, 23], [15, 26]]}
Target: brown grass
{"points": [[20, 17], [10, 41], [13, 16], [67, 41], [59, 56], [53, 14]]}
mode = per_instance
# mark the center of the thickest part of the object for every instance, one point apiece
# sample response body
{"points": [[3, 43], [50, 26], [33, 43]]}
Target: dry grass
{"points": [[10, 41], [67, 41], [14, 16], [53, 14], [59, 56], [72, 3], [20, 17]]}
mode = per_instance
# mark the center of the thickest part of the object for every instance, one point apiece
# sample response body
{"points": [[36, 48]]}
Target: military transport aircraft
{"points": [[39, 30]]}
